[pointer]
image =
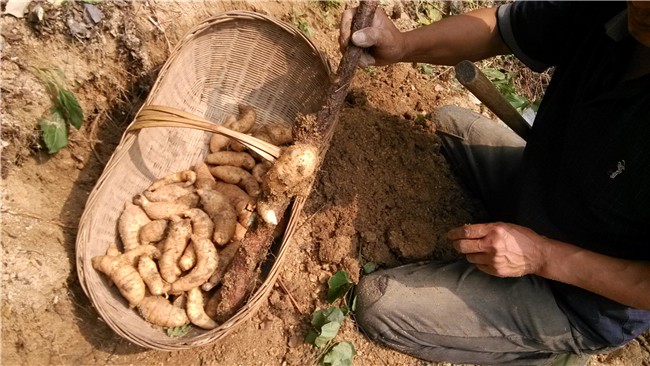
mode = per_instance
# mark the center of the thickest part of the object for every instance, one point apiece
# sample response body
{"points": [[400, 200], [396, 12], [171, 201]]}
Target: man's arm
{"points": [[471, 36], [509, 250]]}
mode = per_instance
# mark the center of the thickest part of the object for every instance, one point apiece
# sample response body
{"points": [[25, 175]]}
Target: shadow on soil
{"points": [[111, 126]]}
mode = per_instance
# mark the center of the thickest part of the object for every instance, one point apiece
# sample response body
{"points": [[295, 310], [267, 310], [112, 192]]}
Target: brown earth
{"points": [[383, 195]]}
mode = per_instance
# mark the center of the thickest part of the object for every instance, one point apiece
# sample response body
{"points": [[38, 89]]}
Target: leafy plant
{"points": [[372, 266], [339, 284], [503, 80], [370, 71], [326, 323], [178, 331], [300, 21], [425, 69], [427, 13], [65, 110], [340, 354]]}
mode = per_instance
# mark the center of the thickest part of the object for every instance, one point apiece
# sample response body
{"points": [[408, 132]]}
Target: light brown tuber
{"points": [[173, 247], [161, 210], [225, 257], [206, 263], [132, 219], [169, 192], [238, 176], [158, 311], [187, 177], [222, 213], [204, 179], [152, 232], [149, 272], [233, 158], [196, 312]]}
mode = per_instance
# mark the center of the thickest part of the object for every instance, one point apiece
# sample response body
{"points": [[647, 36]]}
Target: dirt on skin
{"points": [[384, 193]]}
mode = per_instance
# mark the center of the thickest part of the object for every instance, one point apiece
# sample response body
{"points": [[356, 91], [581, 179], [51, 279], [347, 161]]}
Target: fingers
{"points": [[468, 246], [475, 231], [346, 28], [366, 60]]}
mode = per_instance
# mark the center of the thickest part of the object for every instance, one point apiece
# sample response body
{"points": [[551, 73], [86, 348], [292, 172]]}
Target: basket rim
{"points": [[122, 150]]}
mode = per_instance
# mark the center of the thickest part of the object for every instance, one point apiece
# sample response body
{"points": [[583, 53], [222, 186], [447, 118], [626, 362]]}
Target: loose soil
{"points": [[384, 194]]}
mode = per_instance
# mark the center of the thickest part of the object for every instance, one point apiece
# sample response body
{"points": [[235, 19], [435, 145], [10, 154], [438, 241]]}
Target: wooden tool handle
{"points": [[477, 83]]}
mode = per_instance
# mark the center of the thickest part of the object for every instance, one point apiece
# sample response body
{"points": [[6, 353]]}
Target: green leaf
{"points": [[325, 325], [339, 284], [370, 266], [426, 69], [70, 106], [54, 131], [517, 101], [178, 331], [340, 355], [494, 74]]}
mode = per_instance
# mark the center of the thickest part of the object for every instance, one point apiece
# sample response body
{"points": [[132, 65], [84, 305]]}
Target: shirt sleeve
{"points": [[527, 30], [543, 33]]}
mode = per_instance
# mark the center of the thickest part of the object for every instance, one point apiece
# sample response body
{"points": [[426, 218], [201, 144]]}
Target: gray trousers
{"points": [[452, 311]]}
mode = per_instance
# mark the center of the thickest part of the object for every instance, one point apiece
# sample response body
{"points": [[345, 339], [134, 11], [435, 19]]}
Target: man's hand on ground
{"points": [[500, 249]]}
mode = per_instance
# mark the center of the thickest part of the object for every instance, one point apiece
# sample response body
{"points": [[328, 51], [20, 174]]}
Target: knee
{"points": [[370, 313]]}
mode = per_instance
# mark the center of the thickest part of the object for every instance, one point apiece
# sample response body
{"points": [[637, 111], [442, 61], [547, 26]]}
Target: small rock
{"points": [[77, 29], [16, 7], [92, 13]]}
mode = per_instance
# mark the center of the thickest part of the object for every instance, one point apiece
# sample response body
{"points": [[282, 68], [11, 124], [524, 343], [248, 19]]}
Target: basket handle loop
{"points": [[162, 116]]}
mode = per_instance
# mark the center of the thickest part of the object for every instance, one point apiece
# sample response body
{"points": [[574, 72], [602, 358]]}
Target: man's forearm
{"points": [[624, 281], [473, 36]]}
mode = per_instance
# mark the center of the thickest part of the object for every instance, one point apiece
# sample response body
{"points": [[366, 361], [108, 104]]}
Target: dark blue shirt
{"points": [[585, 176]]}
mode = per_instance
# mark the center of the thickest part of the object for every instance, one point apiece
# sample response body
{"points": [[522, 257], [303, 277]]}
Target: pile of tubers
{"points": [[180, 235]]}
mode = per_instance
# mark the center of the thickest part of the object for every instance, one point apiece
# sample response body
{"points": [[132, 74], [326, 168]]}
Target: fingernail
{"points": [[360, 39]]}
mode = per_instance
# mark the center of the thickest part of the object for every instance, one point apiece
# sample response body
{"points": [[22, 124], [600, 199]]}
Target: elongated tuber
{"points": [[169, 192], [196, 312], [187, 177], [243, 203], [158, 311], [123, 275], [219, 142], [206, 264], [277, 134], [152, 232], [260, 170], [128, 225], [238, 176], [149, 272], [222, 213], [161, 210], [225, 257], [246, 119], [173, 247], [190, 200], [202, 225], [232, 158], [188, 259], [204, 179]]}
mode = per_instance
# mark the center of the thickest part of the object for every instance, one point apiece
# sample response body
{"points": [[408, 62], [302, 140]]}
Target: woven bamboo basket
{"points": [[236, 57]]}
